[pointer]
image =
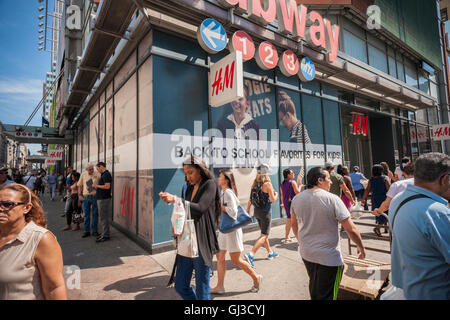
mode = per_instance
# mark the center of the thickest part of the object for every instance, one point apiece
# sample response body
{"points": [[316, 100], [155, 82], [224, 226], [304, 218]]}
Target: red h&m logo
{"points": [[360, 124], [227, 82], [442, 132]]}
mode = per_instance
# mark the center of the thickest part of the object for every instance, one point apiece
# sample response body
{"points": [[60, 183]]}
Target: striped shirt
{"points": [[297, 133]]}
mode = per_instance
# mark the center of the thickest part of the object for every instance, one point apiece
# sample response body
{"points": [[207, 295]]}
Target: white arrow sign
{"points": [[209, 33], [212, 36]]}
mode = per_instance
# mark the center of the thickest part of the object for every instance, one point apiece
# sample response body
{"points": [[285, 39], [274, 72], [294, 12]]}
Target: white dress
{"points": [[231, 242]]}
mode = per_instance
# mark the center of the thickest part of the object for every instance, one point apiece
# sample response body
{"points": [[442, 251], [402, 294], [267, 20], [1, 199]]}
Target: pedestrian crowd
{"points": [[415, 197], [314, 213]]}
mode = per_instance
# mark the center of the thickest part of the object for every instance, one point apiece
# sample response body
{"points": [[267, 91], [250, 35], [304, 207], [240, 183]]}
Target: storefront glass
{"points": [[332, 131], [356, 146], [423, 137], [414, 143]]}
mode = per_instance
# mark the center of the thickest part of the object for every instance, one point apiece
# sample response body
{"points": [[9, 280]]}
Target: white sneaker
{"points": [[255, 290]]}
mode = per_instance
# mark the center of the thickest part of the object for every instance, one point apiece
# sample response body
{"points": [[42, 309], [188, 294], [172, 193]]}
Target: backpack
{"points": [[38, 182], [258, 198]]}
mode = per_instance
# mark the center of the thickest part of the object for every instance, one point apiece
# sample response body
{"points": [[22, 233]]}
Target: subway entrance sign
{"points": [[33, 134], [212, 36]]}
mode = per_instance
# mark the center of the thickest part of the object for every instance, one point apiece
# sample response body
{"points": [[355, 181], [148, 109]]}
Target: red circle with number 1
{"points": [[289, 63], [242, 42], [267, 56]]}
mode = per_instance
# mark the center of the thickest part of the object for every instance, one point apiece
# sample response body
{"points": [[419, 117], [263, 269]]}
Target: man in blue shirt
{"points": [[356, 177], [420, 255], [52, 179], [4, 177]]}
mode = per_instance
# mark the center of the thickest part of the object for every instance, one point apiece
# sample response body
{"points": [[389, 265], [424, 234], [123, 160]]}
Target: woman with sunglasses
{"points": [[31, 263]]}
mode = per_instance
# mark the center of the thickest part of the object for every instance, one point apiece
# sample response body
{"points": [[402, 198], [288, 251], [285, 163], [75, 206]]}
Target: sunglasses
{"points": [[8, 205]]}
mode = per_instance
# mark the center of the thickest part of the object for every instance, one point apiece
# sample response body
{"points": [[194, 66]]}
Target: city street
{"points": [[121, 270]]}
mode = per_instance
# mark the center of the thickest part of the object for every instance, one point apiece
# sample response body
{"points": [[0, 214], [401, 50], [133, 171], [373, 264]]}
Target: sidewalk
{"points": [[120, 269]]}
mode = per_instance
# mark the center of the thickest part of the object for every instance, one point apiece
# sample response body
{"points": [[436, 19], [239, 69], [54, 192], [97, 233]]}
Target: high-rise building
{"points": [[54, 31]]}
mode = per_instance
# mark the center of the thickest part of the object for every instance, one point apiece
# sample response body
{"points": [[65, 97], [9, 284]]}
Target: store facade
{"points": [[150, 112]]}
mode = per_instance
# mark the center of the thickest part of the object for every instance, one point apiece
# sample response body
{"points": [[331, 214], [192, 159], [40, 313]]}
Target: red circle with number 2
{"points": [[267, 57]]}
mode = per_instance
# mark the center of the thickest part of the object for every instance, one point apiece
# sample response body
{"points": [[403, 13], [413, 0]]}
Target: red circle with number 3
{"points": [[267, 57], [242, 42], [289, 64]]}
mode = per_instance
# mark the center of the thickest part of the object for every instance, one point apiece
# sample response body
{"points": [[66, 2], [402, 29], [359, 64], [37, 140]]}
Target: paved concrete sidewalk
{"points": [[120, 269]]}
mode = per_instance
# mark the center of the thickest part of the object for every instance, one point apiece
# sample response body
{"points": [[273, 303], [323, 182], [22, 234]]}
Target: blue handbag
{"points": [[228, 224]]}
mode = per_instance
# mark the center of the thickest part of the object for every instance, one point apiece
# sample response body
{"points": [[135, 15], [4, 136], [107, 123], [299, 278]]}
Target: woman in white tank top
{"points": [[31, 264], [233, 241]]}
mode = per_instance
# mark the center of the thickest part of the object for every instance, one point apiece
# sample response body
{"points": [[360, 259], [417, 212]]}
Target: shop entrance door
{"points": [[356, 143]]}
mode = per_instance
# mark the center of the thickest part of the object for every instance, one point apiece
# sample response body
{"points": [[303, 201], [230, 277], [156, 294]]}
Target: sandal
{"points": [[377, 231]]}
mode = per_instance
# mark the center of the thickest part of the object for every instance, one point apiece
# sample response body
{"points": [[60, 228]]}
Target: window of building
{"points": [[434, 91], [392, 67], [377, 53], [414, 143], [423, 137], [411, 74], [400, 68], [432, 116], [377, 58], [354, 46], [421, 116], [424, 84]]}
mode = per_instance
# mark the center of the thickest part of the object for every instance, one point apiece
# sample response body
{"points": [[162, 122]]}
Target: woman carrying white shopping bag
{"points": [[203, 199]]}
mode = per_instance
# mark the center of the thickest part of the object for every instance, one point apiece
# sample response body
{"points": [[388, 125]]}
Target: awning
{"points": [[375, 84], [112, 22]]}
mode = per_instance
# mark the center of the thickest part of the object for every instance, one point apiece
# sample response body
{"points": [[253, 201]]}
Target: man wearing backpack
{"points": [[420, 224]]}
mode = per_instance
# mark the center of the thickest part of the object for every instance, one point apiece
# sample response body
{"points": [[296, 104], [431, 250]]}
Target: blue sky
{"points": [[22, 66]]}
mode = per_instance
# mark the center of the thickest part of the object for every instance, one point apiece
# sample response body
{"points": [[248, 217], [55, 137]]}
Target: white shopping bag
{"points": [[178, 217], [356, 211], [187, 243]]}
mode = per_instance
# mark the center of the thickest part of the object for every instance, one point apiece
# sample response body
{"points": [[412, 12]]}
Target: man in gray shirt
{"points": [[319, 213]]}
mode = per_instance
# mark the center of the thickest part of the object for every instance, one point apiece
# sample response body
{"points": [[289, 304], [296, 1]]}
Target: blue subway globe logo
{"points": [[307, 70]]}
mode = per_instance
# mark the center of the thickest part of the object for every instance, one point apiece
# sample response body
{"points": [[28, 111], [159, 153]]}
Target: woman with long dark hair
{"points": [[232, 241], [203, 198]]}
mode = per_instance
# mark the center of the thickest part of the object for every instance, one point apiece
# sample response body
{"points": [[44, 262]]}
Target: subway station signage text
{"points": [[294, 20]]}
